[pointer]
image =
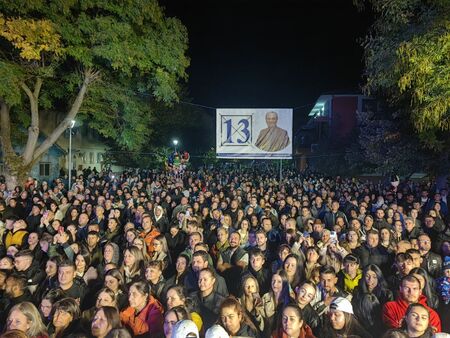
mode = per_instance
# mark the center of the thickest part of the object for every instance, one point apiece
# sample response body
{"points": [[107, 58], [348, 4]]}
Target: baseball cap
{"points": [[216, 331], [185, 329], [342, 304]]}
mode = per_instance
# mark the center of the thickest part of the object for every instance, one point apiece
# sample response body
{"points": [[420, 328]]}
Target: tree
{"points": [[407, 57], [105, 62]]}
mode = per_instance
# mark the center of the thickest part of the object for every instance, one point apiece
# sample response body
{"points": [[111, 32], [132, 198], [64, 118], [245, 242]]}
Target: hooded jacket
{"points": [[148, 321], [394, 312]]}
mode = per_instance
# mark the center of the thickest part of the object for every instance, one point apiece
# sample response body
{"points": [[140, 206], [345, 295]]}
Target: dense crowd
{"points": [[224, 252]]}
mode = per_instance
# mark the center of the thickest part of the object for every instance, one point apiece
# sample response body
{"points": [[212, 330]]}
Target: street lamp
{"points": [[72, 124], [175, 143]]}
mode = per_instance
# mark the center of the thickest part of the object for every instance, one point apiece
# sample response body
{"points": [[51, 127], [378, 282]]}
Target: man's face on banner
{"points": [[271, 119]]}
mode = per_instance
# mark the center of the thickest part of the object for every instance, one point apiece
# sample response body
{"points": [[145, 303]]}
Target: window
{"points": [[91, 157], [99, 158], [2, 167], [44, 169]]}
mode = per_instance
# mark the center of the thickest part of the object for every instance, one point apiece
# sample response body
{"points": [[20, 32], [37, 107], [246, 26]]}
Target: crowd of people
{"points": [[224, 253]]}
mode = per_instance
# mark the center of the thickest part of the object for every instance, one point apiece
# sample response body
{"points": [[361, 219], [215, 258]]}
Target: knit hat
{"points": [[216, 331], [185, 329], [342, 304]]}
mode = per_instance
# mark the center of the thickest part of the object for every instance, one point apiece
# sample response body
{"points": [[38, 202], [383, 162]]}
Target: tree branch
{"points": [[33, 129], [90, 76]]}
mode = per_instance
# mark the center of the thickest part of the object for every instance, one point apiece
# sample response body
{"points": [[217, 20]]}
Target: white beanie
{"points": [[341, 304], [184, 328], [216, 331]]}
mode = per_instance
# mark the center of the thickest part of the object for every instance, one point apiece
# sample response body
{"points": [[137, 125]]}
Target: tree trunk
{"points": [[15, 172]]}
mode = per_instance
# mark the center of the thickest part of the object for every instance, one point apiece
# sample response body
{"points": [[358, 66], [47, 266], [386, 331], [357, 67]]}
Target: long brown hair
{"points": [[232, 302]]}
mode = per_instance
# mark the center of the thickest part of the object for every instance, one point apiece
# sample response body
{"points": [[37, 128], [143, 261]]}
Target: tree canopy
{"points": [[107, 61], [407, 56]]}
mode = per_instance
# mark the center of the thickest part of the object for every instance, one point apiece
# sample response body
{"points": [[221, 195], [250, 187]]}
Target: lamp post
{"points": [[175, 143], [72, 124]]}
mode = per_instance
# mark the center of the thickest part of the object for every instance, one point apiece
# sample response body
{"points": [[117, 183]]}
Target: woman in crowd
{"points": [[312, 260], [340, 321], [176, 296], [106, 318], [387, 239], [427, 287], [417, 322], [181, 269], [294, 270], [133, 264], [305, 295], [111, 255], [139, 243], [251, 301], [373, 282], [206, 298], [105, 297], [234, 319], [243, 230], [292, 324], [26, 318], [145, 313], [161, 252], [46, 304], [283, 251], [274, 300], [115, 282], [65, 321], [154, 276], [173, 316]]}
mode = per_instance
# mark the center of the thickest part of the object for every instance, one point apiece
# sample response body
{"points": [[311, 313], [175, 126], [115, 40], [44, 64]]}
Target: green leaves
{"points": [[140, 54], [408, 62]]}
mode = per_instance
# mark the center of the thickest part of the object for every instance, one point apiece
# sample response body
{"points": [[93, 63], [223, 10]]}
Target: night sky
{"points": [[274, 53]]}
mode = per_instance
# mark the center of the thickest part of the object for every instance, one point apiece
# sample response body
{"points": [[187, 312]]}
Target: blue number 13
{"points": [[242, 128]]}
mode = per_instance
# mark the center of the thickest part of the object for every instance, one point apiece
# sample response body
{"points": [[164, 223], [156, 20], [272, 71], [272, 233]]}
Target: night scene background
{"points": [[258, 54]]}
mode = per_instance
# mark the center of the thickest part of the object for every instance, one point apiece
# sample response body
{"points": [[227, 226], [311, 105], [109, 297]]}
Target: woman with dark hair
{"points": [[292, 324], [233, 318], [274, 300], [106, 318], [181, 268], [65, 321], [370, 296], [173, 316], [105, 297], [294, 270], [427, 287], [387, 239], [283, 251], [373, 282], [115, 282], [46, 304], [417, 322], [145, 313], [341, 322]]}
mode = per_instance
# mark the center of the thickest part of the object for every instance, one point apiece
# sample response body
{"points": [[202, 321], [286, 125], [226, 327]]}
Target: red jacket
{"points": [[395, 311], [305, 332], [149, 320]]}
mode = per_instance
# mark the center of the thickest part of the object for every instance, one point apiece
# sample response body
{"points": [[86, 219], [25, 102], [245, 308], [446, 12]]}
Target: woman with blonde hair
{"points": [[251, 300], [133, 264], [26, 318]]}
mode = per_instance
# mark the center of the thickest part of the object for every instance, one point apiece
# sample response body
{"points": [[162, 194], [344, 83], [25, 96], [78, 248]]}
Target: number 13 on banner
{"points": [[236, 130]]}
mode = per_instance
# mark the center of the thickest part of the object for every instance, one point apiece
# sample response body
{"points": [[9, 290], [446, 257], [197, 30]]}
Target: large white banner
{"points": [[254, 133]]}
